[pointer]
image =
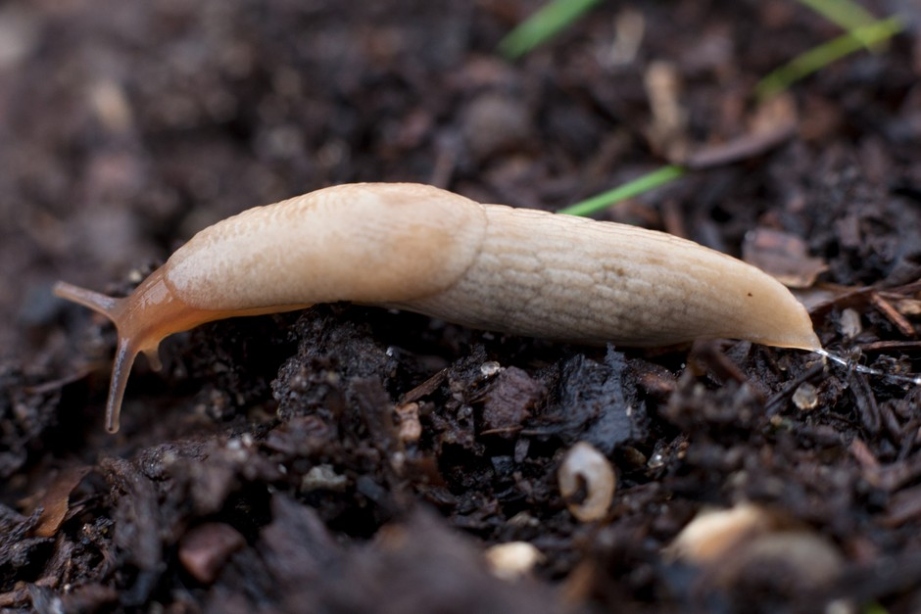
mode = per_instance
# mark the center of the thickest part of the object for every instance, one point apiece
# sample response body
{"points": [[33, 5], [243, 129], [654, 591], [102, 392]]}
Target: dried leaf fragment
{"points": [[783, 255], [55, 501]]}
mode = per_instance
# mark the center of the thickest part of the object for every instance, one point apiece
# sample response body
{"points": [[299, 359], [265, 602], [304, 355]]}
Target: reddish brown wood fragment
{"points": [[205, 549], [897, 319], [425, 388], [888, 346]]}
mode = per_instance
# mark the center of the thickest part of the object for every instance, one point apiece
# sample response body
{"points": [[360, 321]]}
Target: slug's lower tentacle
{"points": [[121, 368]]}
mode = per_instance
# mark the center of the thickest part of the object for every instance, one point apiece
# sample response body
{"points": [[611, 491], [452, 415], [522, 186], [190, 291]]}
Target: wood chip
{"points": [[783, 255], [55, 502]]}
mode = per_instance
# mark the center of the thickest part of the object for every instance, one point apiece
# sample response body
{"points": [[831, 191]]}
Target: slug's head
{"points": [[150, 314]]}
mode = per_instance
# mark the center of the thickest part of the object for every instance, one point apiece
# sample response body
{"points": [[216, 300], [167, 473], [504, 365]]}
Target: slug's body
{"points": [[426, 250]]}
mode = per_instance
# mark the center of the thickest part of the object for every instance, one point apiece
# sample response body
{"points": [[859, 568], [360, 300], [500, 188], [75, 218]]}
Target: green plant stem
{"points": [[628, 190], [819, 57], [848, 15], [542, 25]]}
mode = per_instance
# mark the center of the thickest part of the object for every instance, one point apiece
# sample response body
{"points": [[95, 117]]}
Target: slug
{"points": [[430, 251]]}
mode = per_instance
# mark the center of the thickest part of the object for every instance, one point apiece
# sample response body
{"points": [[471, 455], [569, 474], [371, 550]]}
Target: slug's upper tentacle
{"points": [[142, 320]]}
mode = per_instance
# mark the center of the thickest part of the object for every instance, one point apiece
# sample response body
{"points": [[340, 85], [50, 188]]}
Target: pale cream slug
{"points": [[423, 249]]}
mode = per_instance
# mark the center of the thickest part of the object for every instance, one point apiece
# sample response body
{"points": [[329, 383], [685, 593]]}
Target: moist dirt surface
{"points": [[356, 459]]}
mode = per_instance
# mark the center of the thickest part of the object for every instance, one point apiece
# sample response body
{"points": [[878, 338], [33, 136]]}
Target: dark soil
{"points": [[273, 464]]}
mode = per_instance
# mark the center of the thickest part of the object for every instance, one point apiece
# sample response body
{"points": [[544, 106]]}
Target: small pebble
{"points": [[204, 550], [806, 397], [512, 560]]}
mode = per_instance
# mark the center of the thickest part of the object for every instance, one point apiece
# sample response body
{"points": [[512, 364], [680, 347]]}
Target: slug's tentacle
{"points": [[125, 355], [142, 320], [100, 303], [127, 350]]}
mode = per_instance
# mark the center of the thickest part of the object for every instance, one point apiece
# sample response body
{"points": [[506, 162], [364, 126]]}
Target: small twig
{"points": [[425, 388], [885, 346], [744, 147], [897, 319]]}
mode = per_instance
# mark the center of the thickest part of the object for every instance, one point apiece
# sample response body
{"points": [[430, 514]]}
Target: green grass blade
{"points": [[542, 25], [823, 55], [848, 15], [628, 190]]}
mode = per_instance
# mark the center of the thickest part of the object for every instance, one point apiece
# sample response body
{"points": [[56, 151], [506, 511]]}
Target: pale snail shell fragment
{"points": [[584, 466], [423, 249]]}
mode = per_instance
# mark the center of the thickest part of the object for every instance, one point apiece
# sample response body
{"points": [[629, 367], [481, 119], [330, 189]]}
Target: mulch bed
{"points": [[349, 458]]}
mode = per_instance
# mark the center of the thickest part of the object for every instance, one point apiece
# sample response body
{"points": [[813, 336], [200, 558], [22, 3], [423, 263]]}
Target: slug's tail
{"points": [[112, 308]]}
